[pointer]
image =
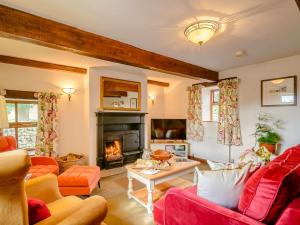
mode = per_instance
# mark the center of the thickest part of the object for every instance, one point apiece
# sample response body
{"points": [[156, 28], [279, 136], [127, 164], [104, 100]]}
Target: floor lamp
{"points": [[3, 115]]}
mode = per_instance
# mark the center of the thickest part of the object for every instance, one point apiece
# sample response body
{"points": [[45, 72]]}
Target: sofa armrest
{"points": [[186, 208], [291, 215], [43, 187], [43, 160]]}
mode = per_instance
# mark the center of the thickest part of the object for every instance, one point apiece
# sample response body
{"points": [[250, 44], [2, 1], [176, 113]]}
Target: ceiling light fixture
{"points": [[240, 53], [201, 31]]}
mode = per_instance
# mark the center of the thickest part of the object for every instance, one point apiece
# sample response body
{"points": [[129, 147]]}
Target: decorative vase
{"points": [[271, 147]]}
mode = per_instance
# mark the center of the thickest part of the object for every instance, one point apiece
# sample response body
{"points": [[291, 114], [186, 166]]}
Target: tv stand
{"points": [[179, 148]]}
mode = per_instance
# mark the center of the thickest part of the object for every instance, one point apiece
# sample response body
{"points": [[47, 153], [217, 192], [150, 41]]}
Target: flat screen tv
{"points": [[168, 129]]}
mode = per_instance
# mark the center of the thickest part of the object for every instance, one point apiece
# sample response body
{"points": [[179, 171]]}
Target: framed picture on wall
{"points": [[279, 92]]}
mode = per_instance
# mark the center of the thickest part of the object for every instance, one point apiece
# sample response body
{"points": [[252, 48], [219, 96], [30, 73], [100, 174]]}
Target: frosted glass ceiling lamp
{"points": [[201, 31]]}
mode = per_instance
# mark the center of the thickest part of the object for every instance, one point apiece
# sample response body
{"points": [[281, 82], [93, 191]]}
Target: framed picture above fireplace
{"points": [[122, 95]]}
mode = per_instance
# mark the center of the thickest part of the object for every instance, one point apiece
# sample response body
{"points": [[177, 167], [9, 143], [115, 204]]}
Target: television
{"points": [[168, 129]]}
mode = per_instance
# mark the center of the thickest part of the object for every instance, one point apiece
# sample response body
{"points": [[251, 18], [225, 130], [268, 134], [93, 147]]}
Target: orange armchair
{"points": [[41, 165], [7, 143], [14, 192]]}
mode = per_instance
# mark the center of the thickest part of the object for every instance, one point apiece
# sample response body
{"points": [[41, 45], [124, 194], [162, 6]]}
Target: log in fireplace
{"points": [[120, 138]]}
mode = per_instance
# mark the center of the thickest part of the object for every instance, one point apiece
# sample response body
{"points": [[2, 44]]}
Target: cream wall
{"points": [[250, 77], [77, 127], [71, 114], [171, 102], [174, 104]]}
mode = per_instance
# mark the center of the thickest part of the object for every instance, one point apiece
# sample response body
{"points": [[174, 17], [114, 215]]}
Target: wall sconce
{"points": [[152, 98], [69, 92]]}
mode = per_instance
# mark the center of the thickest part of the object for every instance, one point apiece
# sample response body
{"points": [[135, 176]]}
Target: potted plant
{"points": [[266, 132]]}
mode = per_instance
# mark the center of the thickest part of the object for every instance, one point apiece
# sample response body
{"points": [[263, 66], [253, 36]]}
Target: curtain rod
{"points": [[207, 84]]}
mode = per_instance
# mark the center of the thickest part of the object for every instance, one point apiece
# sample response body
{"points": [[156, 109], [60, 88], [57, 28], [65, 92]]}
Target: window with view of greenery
{"points": [[22, 118], [214, 96]]}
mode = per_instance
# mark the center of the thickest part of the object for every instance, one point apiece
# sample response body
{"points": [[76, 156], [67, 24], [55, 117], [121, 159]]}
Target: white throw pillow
{"points": [[222, 187]]}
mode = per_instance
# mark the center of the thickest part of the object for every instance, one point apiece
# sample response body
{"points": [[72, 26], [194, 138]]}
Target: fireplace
{"points": [[120, 138], [113, 150]]}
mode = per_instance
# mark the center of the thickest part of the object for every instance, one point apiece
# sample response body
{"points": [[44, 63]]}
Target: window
{"points": [[210, 104], [22, 118], [214, 105]]}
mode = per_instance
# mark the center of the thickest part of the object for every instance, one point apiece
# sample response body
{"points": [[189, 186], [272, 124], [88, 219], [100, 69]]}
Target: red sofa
{"points": [[270, 196]]}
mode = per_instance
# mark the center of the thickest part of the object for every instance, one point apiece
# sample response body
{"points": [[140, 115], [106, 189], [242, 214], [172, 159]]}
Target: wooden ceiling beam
{"points": [[158, 83], [27, 27], [298, 4], [41, 65]]}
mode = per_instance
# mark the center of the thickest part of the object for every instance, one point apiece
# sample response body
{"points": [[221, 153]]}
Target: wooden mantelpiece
{"points": [[23, 26]]}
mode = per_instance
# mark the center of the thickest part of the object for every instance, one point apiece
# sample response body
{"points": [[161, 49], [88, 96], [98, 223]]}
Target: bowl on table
{"points": [[161, 155]]}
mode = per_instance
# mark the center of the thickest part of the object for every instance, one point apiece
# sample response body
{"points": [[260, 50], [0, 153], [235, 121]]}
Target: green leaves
{"points": [[269, 137], [266, 129]]}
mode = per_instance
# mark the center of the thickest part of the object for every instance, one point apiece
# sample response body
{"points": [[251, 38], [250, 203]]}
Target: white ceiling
{"points": [[265, 29]]}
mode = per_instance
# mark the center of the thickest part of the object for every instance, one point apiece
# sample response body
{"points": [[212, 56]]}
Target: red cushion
{"points": [[291, 215], [3, 143], [7, 148], [37, 210], [12, 142], [272, 188]]}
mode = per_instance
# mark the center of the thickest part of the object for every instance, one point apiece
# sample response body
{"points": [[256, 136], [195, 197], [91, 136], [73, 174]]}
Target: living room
{"points": [[54, 69]]}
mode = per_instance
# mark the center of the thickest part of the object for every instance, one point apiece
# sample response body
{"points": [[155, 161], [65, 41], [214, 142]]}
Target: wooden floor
{"points": [[124, 211]]}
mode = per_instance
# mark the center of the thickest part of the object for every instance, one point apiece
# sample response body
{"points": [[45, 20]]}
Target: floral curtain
{"points": [[3, 114], [195, 126], [229, 130], [47, 124]]}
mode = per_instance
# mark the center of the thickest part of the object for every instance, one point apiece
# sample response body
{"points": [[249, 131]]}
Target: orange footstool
{"points": [[79, 180]]}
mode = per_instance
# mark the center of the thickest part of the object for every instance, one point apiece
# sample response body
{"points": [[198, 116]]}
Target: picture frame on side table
{"points": [[280, 91]]}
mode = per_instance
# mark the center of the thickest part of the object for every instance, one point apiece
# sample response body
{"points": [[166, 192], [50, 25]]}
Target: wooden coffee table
{"points": [[145, 196]]}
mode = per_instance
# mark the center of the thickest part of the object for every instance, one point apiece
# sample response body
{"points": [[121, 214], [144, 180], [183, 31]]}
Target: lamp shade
{"points": [[201, 31], [3, 113]]}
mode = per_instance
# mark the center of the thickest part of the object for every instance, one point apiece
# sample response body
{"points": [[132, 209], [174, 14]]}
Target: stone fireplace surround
{"points": [[126, 127]]}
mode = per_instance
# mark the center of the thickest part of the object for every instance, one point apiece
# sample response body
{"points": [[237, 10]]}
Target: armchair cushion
{"points": [[40, 170], [291, 215], [7, 143], [271, 188], [42, 165], [37, 210]]}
